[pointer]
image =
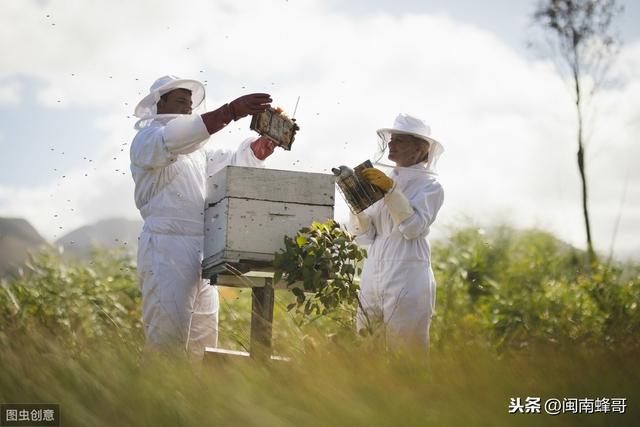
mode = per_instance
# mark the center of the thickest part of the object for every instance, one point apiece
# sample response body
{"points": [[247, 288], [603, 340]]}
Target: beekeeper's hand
{"points": [[397, 203], [249, 104], [378, 178], [263, 147]]}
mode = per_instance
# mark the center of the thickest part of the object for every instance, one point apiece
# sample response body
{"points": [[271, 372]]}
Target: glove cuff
{"points": [[393, 187], [398, 205], [359, 223], [217, 119]]}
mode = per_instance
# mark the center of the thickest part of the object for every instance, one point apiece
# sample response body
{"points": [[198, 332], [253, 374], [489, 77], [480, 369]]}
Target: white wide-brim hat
{"points": [[147, 106], [408, 125]]}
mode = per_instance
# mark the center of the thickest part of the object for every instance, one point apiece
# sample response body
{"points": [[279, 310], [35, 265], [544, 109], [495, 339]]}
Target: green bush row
{"points": [[502, 289], [511, 289]]}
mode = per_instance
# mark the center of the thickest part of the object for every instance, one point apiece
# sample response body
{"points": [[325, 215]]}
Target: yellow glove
{"points": [[378, 178]]}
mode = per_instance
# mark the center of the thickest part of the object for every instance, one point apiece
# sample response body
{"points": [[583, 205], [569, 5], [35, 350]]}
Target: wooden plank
{"points": [[219, 355], [222, 353], [253, 279], [237, 263], [262, 321], [240, 281]]}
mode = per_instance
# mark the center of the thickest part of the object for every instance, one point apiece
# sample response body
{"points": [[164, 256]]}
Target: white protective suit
{"points": [[170, 163], [397, 285]]}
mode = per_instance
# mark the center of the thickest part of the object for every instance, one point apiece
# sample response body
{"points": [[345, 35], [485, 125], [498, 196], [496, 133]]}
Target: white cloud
{"points": [[10, 92], [507, 122]]}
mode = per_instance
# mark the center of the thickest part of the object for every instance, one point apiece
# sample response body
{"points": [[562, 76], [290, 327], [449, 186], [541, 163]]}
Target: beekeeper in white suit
{"points": [[397, 285], [171, 156]]}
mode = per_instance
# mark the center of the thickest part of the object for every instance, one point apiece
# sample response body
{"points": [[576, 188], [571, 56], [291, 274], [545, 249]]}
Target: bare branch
{"points": [[580, 35]]}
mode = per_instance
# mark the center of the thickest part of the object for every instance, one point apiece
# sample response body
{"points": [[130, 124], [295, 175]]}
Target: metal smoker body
{"points": [[357, 192]]}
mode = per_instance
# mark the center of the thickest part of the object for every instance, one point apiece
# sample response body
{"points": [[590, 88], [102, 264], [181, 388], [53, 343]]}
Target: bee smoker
{"points": [[357, 191]]}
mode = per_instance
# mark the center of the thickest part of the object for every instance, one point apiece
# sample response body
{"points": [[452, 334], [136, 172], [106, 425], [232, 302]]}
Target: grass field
{"points": [[518, 315]]}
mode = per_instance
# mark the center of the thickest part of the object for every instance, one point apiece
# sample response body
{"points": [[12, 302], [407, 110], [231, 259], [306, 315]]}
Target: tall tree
{"points": [[581, 37]]}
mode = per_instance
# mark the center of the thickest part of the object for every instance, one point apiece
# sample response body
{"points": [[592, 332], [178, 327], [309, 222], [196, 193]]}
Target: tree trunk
{"points": [[581, 167]]}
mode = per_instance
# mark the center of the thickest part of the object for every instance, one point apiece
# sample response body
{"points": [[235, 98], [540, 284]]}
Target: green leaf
{"points": [[301, 241]]}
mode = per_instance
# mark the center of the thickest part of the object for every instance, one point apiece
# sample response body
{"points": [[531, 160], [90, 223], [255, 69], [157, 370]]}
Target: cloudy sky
{"points": [[72, 71]]}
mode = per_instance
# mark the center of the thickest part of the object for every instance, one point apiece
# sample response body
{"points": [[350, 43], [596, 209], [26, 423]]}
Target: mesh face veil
{"points": [[408, 125]]}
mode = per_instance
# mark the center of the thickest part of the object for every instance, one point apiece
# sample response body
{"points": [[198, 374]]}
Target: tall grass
{"points": [[518, 314]]}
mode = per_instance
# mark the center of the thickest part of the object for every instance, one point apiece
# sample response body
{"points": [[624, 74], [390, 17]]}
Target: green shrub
{"points": [[74, 302], [499, 289], [511, 289], [324, 258]]}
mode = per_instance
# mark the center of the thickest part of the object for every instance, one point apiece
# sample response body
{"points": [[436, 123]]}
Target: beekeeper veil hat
{"points": [[147, 108], [409, 125]]}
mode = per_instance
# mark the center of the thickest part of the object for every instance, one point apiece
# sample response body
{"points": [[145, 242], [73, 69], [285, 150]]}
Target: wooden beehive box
{"points": [[249, 211]]}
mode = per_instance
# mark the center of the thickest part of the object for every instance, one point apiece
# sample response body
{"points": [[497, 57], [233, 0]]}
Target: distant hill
{"points": [[108, 233], [17, 238]]}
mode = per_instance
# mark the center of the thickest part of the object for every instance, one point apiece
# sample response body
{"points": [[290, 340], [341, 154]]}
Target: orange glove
{"points": [[378, 178]]}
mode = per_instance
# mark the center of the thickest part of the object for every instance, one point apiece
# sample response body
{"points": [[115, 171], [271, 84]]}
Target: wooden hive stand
{"points": [[262, 305]]}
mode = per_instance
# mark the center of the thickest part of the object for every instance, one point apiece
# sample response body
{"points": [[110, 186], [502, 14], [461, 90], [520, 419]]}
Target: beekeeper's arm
{"points": [[159, 146], [413, 218], [252, 152]]}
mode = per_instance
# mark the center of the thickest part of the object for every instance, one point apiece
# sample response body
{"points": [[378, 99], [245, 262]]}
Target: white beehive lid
{"points": [[271, 185]]}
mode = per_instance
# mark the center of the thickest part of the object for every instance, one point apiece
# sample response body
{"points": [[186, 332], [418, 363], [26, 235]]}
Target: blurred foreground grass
{"points": [[106, 386], [519, 314]]}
